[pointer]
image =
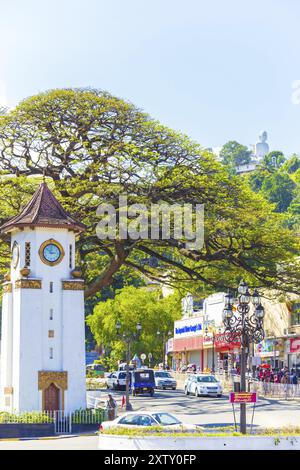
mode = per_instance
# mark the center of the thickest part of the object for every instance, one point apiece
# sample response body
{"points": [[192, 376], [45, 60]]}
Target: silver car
{"points": [[201, 385], [164, 380]]}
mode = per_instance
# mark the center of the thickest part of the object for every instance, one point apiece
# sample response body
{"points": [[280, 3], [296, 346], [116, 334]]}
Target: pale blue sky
{"points": [[216, 70]]}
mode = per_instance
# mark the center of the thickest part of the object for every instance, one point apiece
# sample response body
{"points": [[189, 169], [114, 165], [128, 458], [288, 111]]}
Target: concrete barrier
{"points": [[19, 430], [115, 442]]}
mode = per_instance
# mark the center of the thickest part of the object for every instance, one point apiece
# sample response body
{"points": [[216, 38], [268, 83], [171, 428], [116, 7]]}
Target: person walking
{"points": [[294, 381], [111, 406]]}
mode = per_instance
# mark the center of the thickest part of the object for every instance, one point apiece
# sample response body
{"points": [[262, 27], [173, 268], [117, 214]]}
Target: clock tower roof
{"points": [[43, 210]]}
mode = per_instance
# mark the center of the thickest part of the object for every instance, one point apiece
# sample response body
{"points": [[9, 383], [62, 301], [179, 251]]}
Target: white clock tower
{"points": [[43, 341]]}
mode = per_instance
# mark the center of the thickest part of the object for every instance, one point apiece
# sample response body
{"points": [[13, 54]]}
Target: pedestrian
{"points": [[294, 382], [111, 406]]}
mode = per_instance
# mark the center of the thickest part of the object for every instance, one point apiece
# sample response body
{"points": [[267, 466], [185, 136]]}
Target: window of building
{"points": [[295, 315], [51, 353], [27, 254], [51, 287], [70, 256], [51, 314], [51, 334]]}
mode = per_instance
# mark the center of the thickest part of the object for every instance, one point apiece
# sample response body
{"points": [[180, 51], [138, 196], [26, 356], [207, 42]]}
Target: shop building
{"points": [[198, 336]]}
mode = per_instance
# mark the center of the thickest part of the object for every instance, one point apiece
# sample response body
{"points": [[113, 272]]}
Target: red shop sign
{"points": [[294, 345], [242, 397]]}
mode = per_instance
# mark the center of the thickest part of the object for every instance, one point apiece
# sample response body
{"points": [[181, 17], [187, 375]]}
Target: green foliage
{"points": [[273, 160], [234, 154], [278, 188], [291, 165], [36, 417], [88, 416], [130, 306]]}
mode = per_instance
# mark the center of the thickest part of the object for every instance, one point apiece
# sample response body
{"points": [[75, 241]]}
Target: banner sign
{"points": [[242, 397], [294, 345], [188, 327]]}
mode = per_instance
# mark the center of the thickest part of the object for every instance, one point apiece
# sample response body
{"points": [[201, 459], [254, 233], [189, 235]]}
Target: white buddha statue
{"points": [[262, 147]]}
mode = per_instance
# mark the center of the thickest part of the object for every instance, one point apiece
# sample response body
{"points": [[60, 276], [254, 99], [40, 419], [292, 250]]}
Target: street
{"points": [[204, 411]]}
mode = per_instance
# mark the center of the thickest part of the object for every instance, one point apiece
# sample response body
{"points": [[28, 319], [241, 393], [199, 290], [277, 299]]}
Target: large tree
{"points": [[130, 306], [233, 154], [92, 147]]}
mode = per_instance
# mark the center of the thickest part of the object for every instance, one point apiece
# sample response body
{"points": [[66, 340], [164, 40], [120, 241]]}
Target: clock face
{"points": [[51, 252], [15, 254]]}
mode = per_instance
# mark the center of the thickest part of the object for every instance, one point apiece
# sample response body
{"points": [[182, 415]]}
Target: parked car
{"points": [[145, 418], [164, 380], [116, 380], [202, 384]]}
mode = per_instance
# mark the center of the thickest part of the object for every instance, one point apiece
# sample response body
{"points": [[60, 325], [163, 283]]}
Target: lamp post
{"points": [[128, 339], [164, 338], [212, 335], [245, 327]]}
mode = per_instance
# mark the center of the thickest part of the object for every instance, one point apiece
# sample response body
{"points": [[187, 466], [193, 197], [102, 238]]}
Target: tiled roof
{"points": [[43, 210]]}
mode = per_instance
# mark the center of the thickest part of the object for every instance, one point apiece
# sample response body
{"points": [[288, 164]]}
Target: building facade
{"points": [[43, 339], [198, 336]]}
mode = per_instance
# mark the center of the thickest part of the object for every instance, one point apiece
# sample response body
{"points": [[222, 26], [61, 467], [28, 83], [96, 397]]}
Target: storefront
{"points": [[293, 354], [220, 355], [188, 342], [271, 351]]}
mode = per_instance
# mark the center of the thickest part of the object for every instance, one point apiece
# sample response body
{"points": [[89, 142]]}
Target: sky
{"points": [[216, 70]]}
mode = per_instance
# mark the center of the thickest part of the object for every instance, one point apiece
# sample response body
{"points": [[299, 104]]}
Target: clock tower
{"points": [[43, 342]]}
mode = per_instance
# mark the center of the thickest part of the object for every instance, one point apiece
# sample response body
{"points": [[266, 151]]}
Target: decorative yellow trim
{"points": [[28, 284], [25, 272], [46, 377], [8, 390], [51, 242], [73, 285], [60, 380], [7, 288]]}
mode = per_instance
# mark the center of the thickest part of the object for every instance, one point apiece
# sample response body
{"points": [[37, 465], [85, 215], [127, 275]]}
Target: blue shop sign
{"points": [[188, 329]]}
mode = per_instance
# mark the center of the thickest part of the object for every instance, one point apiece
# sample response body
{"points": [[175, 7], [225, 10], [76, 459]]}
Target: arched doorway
{"points": [[51, 398]]}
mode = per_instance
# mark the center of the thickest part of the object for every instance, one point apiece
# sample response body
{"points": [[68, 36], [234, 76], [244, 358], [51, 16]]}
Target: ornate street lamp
{"points": [[128, 339], [246, 328]]}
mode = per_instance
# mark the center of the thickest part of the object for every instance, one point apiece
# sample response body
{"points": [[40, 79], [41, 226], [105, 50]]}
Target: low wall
{"points": [[26, 430], [84, 428], [110, 442]]}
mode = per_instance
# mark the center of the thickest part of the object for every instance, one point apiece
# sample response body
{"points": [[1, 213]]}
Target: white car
{"points": [[116, 380], [164, 380], [148, 418], [202, 384]]}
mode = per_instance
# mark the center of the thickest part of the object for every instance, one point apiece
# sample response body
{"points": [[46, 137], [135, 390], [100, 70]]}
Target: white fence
{"points": [[62, 421], [276, 390]]}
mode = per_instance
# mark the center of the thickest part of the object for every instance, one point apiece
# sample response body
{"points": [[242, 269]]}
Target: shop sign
{"points": [[242, 397], [294, 345], [266, 348], [189, 327]]}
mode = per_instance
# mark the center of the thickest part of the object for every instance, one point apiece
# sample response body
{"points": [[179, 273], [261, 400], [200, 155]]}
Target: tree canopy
{"points": [[92, 147], [233, 153], [130, 306]]}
